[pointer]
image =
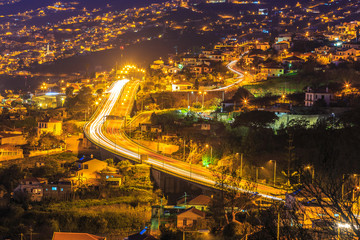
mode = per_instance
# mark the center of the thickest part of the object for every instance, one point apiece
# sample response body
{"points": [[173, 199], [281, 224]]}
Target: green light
{"points": [[180, 66]]}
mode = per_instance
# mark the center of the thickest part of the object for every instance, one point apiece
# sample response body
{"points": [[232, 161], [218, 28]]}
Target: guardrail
{"points": [[210, 183]]}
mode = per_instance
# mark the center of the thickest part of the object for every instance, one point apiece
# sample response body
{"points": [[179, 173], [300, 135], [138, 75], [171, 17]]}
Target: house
{"points": [[8, 152], [189, 218], [294, 60], [200, 69], [33, 187], [309, 213], [145, 127], [189, 60], [283, 38], [169, 137], [50, 126], [262, 46], [200, 202], [345, 54], [156, 129], [49, 100], [202, 126], [215, 56], [157, 64], [311, 96], [280, 46], [324, 50], [92, 169], [181, 86], [112, 179], [75, 236], [174, 70], [60, 190], [272, 70], [12, 138]]}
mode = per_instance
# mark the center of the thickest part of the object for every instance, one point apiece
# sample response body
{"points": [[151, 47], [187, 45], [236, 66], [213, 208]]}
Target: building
{"points": [[50, 126], [31, 186], [283, 38], [189, 218], [75, 236], [346, 54], [280, 46], [8, 152], [49, 100], [181, 86], [311, 96], [157, 64], [309, 213], [200, 69], [200, 202], [60, 190], [90, 172], [272, 70], [262, 46], [12, 138]]}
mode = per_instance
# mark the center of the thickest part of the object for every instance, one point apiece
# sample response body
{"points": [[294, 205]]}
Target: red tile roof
{"points": [[75, 236]]}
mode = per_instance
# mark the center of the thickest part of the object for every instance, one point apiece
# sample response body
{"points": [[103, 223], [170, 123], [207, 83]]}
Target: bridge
{"points": [[108, 134]]}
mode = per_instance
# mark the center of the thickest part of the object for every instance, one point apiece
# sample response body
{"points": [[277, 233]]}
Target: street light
{"points": [[274, 161], [312, 169], [211, 150], [203, 94], [257, 173]]}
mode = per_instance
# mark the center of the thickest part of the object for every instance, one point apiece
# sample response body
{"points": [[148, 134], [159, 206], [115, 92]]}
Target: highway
{"points": [[107, 133]]}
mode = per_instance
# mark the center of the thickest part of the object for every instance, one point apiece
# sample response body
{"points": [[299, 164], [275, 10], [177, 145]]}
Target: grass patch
{"points": [[277, 86]]}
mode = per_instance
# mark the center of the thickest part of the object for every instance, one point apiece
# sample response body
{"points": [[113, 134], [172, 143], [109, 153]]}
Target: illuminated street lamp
{"points": [[347, 85], [312, 169], [203, 93]]}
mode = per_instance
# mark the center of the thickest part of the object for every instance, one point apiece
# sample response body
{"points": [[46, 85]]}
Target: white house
{"points": [[312, 96]]}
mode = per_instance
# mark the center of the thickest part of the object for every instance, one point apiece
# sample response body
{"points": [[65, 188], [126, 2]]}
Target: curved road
{"points": [[107, 133]]}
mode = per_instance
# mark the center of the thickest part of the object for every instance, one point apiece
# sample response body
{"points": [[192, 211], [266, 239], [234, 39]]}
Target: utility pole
{"points": [[278, 226], [241, 164], [184, 150], [290, 148]]}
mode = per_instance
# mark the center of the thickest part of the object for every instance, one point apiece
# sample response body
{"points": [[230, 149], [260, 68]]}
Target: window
{"points": [[86, 166], [185, 222], [54, 188], [61, 189]]}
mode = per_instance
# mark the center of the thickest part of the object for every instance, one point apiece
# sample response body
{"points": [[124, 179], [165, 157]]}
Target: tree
{"points": [[232, 200], [48, 141], [10, 177], [333, 200], [257, 119]]}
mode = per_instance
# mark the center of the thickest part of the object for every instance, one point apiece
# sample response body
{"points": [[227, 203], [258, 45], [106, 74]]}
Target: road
{"points": [[108, 134]]}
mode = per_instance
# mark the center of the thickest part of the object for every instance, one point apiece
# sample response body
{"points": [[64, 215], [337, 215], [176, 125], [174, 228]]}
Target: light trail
{"points": [[117, 103]]}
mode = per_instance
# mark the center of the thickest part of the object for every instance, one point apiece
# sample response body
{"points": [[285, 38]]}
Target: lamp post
{"points": [[189, 99], [257, 173], [211, 150], [311, 168], [274, 171], [241, 163], [203, 94]]}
